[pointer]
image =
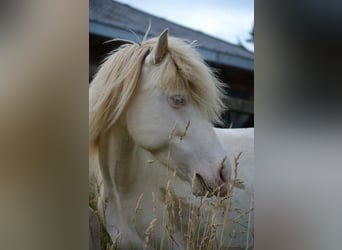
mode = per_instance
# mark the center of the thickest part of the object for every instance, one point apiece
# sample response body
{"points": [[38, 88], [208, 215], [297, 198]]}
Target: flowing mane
{"points": [[182, 69]]}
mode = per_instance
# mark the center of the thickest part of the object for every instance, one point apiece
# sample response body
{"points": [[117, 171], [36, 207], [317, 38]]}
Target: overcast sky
{"points": [[230, 20]]}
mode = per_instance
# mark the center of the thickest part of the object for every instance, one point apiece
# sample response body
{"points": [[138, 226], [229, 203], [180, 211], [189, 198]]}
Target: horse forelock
{"points": [[181, 69], [184, 69]]}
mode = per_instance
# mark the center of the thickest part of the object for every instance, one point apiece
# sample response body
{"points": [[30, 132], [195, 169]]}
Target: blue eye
{"points": [[177, 101]]}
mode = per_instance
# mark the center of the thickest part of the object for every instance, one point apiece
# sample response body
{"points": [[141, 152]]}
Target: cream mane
{"points": [[182, 68]]}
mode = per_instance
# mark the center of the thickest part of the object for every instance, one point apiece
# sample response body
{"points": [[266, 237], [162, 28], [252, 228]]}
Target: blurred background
{"points": [[224, 31]]}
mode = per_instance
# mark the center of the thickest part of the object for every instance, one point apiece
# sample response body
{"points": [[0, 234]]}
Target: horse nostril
{"points": [[223, 174]]}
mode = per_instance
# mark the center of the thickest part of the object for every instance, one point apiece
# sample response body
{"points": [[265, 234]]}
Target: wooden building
{"points": [[235, 65]]}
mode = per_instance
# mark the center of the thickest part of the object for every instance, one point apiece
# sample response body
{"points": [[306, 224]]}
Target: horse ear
{"points": [[160, 49]]}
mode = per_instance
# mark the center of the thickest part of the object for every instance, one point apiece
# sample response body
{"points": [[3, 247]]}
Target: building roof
{"points": [[113, 19]]}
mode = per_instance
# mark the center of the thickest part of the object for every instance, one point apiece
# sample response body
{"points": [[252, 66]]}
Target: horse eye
{"points": [[177, 101]]}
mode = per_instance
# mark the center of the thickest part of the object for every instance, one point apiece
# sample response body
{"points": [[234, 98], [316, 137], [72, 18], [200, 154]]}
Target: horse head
{"points": [[170, 113]]}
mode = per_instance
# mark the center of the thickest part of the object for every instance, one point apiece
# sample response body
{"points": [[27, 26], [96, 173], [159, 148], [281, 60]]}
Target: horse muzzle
{"points": [[219, 187]]}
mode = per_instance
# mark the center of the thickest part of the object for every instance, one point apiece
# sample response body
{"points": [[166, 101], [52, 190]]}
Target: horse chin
{"points": [[222, 192]]}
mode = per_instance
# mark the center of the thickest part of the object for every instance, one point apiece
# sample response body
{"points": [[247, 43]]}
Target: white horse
{"points": [[151, 108]]}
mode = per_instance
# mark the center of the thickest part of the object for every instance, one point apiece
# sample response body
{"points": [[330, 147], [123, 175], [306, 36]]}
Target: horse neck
{"points": [[117, 158], [127, 173], [125, 166]]}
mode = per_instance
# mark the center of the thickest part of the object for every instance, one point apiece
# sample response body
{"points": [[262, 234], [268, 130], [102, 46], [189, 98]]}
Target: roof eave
{"points": [[105, 30]]}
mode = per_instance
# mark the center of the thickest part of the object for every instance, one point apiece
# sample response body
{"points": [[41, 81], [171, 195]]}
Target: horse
{"points": [[160, 165]]}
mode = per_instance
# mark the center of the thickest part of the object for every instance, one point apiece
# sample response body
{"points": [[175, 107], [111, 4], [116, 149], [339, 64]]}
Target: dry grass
{"points": [[199, 224], [106, 241]]}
